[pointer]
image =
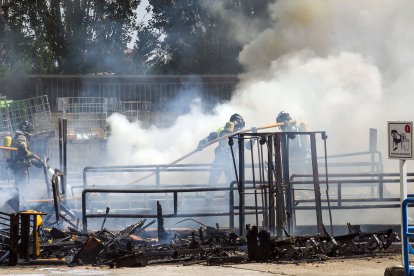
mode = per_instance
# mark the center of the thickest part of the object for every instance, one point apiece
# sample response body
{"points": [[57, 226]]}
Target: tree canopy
{"points": [[194, 36], [84, 36], [67, 36]]}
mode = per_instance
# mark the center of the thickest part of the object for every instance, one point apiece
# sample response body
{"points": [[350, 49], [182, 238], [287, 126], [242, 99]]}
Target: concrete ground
{"points": [[365, 266]]}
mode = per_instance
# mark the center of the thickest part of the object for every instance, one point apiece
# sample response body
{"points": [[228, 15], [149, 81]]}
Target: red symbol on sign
{"points": [[407, 129]]}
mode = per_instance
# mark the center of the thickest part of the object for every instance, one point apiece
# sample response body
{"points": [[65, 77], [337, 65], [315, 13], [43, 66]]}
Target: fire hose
{"points": [[211, 143]]}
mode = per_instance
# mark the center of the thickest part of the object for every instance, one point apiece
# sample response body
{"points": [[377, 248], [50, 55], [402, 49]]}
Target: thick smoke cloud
{"points": [[129, 143], [341, 66], [344, 66]]}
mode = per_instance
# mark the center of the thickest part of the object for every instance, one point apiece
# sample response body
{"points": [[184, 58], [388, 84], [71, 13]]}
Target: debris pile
{"points": [[138, 246], [262, 248]]}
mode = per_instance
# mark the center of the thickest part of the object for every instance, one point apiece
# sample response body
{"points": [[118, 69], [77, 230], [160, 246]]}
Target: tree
{"points": [[189, 37], [68, 36]]}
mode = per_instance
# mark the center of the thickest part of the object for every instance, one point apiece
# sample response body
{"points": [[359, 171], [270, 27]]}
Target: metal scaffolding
{"points": [[5, 123], [136, 111], [12, 113], [36, 110], [86, 116]]}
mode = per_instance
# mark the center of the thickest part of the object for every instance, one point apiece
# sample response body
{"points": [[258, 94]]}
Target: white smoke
{"points": [[129, 143], [342, 66]]}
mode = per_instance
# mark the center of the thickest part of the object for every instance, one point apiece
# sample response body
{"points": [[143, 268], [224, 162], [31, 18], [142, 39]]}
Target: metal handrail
{"points": [[381, 179], [156, 169], [175, 192]]}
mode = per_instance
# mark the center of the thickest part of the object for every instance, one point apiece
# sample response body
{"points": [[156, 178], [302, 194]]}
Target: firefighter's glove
{"points": [[201, 145]]}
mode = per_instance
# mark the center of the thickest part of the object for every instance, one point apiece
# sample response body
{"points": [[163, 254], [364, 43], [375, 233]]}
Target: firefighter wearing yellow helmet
{"points": [[299, 145], [222, 154], [23, 158]]}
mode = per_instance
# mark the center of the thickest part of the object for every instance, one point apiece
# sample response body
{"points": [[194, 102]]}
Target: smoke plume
{"points": [[344, 66], [341, 66]]}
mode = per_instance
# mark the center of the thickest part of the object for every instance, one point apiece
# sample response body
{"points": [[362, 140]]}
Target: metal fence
{"points": [[5, 122], [160, 91], [35, 110], [86, 116], [137, 110], [13, 113]]}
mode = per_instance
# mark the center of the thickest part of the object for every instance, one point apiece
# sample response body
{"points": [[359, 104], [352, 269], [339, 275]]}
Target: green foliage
{"points": [[90, 36], [68, 36], [190, 37]]}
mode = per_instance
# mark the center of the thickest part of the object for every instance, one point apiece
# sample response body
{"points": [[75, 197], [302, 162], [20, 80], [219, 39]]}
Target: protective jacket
{"points": [[23, 154], [22, 158]]}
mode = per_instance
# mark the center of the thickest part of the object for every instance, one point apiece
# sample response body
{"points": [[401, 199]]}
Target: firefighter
{"points": [[223, 162], [299, 145], [23, 158]]}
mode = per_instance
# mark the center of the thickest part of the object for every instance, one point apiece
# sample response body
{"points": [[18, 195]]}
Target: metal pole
{"points": [[60, 143], [271, 185], [403, 196], [84, 219], [65, 139], [241, 186], [175, 203], [231, 208], [288, 212], [324, 137], [262, 186], [280, 202], [372, 146], [254, 182], [317, 189]]}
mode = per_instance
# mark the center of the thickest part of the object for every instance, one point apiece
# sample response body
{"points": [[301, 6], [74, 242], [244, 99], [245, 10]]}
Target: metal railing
{"points": [[173, 191], [341, 181], [152, 170], [375, 164], [407, 235]]}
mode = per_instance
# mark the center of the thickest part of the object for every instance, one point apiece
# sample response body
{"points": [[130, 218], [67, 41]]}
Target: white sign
{"points": [[400, 140]]}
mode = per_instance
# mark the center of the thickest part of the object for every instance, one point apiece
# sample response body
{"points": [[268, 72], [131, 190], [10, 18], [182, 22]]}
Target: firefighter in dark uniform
{"points": [[23, 158], [223, 162], [299, 145]]}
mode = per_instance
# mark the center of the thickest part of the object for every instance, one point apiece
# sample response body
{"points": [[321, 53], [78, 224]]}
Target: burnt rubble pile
{"points": [[24, 239], [317, 247], [137, 245]]}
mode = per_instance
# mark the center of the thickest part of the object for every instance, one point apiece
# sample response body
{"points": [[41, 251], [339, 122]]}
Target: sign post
{"points": [[400, 146]]}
